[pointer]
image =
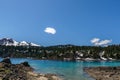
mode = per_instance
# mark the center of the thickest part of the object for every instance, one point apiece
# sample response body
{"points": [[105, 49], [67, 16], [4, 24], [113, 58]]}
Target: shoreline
{"points": [[38, 76], [22, 71], [87, 71], [103, 73], [84, 59]]}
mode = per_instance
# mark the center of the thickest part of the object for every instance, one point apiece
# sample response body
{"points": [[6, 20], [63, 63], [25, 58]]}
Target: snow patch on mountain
{"points": [[23, 43], [33, 44], [11, 42]]}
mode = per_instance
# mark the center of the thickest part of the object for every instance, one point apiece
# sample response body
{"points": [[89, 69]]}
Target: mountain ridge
{"points": [[12, 42]]}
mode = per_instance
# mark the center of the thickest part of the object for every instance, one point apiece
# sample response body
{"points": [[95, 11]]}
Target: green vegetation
{"points": [[60, 52]]}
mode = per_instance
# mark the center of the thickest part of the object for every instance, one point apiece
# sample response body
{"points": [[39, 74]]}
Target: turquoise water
{"points": [[67, 70]]}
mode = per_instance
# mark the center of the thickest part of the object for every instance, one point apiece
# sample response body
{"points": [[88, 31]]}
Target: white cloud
{"points": [[105, 42], [50, 30], [98, 42], [95, 40]]}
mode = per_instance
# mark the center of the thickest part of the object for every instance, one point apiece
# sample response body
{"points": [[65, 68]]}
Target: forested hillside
{"points": [[61, 52]]}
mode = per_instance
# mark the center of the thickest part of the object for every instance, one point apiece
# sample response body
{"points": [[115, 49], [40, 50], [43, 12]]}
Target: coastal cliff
{"points": [[21, 71]]}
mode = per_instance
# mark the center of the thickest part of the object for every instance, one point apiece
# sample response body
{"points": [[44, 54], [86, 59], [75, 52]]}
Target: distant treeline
{"points": [[60, 52]]}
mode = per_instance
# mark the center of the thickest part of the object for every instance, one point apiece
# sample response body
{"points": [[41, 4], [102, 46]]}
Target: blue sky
{"points": [[75, 21]]}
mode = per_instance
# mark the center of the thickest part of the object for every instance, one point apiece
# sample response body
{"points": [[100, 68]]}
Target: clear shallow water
{"points": [[67, 70]]}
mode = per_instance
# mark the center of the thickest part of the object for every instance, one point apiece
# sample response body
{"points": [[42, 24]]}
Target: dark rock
{"points": [[25, 64], [6, 60]]}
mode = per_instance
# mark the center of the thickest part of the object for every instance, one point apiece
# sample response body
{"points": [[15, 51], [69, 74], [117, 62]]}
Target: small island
{"points": [[23, 71]]}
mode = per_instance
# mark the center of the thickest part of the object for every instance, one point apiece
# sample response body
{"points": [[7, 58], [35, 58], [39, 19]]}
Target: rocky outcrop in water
{"points": [[6, 60], [21, 71], [104, 73]]}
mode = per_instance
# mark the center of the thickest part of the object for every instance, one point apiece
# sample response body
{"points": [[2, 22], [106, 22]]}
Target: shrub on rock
{"points": [[26, 64]]}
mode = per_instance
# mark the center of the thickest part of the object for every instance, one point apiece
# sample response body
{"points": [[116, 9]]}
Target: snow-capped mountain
{"points": [[11, 42], [8, 42], [33, 44], [23, 43]]}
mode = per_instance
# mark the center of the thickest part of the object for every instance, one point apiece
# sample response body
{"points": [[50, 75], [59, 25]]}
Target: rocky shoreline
{"points": [[21, 71], [104, 73]]}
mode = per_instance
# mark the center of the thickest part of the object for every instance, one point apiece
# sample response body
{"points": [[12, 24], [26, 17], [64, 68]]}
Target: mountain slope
{"points": [[11, 42]]}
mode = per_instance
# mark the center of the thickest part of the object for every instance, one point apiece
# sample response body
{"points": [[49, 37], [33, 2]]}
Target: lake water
{"points": [[66, 69]]}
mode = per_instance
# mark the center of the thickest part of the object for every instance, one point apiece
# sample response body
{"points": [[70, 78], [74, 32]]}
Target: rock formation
{"points": [[104, 73], [21, 71]]}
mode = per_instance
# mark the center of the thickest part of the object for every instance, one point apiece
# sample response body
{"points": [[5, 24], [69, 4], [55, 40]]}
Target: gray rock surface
{"points": [[104, 73]]}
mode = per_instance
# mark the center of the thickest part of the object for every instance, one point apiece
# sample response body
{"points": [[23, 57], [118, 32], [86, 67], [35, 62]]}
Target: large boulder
{"points": [[6, 60], [25, 64]]}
